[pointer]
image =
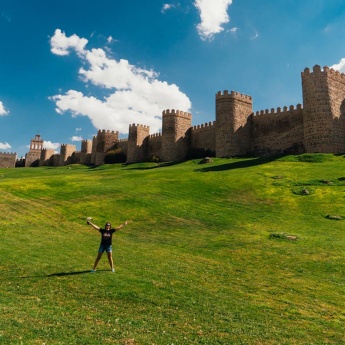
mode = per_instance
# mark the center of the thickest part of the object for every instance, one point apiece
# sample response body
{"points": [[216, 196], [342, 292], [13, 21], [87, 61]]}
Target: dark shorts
{"points": [[105, 248]]}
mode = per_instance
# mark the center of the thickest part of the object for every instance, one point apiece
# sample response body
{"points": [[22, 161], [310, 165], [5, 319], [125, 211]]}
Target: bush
{"points": [[115, 156]]}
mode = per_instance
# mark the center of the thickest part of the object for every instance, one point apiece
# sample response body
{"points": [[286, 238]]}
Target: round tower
{"points": [[232, 128], [105, 141], [324, 113], [138, 143], [175, 135], [66, 154]]}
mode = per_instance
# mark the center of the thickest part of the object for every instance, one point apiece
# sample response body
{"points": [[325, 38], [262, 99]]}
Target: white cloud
{"points": [[233, 31], [50, 145], [139, 96], [167, 7], [61, 45], [340, 66], [3, 111], [5, 146], [213, 13], [76, 138]]}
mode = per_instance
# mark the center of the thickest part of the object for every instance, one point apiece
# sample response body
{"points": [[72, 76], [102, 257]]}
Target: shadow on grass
{"points": [[156, 166], [62, 274], [237, 165]]}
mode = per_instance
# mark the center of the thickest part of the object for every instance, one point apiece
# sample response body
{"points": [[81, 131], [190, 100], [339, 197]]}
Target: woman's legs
{"points": [[110, 259], [97, 260]]}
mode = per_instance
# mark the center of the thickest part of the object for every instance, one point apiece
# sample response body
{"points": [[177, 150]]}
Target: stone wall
{"points": [[8, 160], [123, 145], [32, 159], [203, 138], [155, 146], [317, 127], [277, 131]]}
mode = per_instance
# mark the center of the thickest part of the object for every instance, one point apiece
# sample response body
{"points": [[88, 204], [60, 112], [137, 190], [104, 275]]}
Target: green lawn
{"points": [[238, 251]]}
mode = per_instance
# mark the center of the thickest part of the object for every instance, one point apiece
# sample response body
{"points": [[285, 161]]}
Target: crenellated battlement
{"points": [[8, 159], [204, 125], [233, 95], [8, 154], [155, 135], [174, 112], [45, 151], [279, 110], [139, 126], [107, 131], [67, 146], [317, 71]]}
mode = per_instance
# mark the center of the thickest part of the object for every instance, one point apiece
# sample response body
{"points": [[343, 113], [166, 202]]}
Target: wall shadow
{"points": [[157, 166], [238, 165]]}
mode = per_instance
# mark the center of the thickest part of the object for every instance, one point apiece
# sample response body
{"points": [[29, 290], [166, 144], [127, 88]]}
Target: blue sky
{"points": [[71, 67]]}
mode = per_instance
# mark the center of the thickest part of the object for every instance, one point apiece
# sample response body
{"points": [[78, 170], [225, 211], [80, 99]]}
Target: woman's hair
{"points": [[107, 223]]}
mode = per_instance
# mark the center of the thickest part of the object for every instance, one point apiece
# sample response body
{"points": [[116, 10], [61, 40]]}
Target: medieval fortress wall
{"points": [[7, 160], [317, 126]]}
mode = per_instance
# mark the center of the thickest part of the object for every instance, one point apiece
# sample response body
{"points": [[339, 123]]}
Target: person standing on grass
{"points": [[106, 242]]}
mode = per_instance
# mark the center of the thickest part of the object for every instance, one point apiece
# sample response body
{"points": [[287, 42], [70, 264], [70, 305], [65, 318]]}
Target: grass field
{"points": [[238, 251]]}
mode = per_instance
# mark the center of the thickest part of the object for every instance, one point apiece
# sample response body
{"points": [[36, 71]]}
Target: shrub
{"points": [[115, 156]]}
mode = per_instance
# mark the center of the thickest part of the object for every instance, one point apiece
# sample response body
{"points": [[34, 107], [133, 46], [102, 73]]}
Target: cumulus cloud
{"points": [[76, 138], [213, 13], [5, 146], [340, 66], [62, 45], [136, 95], [50, 145], [3, 111]]}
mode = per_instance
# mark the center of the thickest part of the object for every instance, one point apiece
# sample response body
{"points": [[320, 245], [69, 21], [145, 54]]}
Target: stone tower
{"points": [[137, 150], [66, 154], [46, 157], [32, 158], [232, 129], [104, 142], [324, 110], [85, 152], [94, 152], [175, 135]]}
